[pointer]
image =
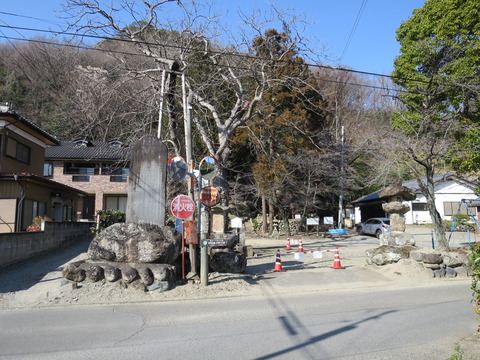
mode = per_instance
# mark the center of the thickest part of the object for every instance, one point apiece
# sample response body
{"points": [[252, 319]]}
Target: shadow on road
{"points": [[25, 274]]}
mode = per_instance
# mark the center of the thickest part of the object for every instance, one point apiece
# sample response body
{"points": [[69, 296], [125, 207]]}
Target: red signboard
{"points": [[182, 207]]}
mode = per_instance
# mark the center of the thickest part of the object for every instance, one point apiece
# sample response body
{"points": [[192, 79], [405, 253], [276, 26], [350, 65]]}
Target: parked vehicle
{"points": [[374, 226]]}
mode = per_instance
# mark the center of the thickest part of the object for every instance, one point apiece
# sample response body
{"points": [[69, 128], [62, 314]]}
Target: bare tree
{"points": [[225, 84]]}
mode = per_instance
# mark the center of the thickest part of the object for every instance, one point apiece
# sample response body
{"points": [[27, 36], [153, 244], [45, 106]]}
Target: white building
{"points": [[449, 192]]}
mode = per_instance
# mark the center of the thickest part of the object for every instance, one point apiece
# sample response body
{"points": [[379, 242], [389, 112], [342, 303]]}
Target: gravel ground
{"points": [[39, 282]]}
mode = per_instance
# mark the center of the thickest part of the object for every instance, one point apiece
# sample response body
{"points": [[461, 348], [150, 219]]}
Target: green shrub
{"points": [[474, 264], [107, 218]]}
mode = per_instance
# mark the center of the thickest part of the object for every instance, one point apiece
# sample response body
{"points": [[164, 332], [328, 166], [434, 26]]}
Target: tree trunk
{"points": [[264, 215], [286, 224], [271, 216], [439, 231]]}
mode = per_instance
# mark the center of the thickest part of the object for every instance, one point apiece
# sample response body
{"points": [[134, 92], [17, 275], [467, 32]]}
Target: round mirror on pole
{"points": [[177, 168], [208, 167]]}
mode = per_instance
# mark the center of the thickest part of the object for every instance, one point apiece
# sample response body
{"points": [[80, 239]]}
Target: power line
{"points": [[30, 17], [177, 47], [354, 28], [84, 47]]}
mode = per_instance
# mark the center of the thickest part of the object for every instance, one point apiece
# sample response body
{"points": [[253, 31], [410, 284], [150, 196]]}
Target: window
{"points": [[67, 213], [116, 203], [451, 208], [18, 151], [419, 207], [38, 209], [81, 169], [81, 178], [118, 178], [48, 169], [116, 174]]}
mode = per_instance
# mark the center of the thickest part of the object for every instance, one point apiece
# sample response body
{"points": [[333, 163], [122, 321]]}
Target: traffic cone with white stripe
{"points": [[336, 260], [300, 246], [278, 263], [288, 247]]}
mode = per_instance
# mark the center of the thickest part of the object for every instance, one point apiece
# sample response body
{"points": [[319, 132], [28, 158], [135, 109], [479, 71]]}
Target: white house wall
{"points": [[446, 192]]}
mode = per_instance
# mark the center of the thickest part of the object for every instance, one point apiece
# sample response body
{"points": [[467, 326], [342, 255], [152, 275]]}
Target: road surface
{"points": [[410, 323]]}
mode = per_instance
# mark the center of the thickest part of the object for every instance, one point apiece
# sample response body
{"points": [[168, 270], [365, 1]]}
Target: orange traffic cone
{"points": [[336, 260], [278, 263], [288, 247], [300, 246]]}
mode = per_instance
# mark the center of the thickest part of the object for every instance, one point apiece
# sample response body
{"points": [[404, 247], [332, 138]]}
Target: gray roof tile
{"points": [[82, 149]]}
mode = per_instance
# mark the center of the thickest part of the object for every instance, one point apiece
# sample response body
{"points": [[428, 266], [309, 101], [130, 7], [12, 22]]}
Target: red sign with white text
{"points": [[182, 207]]}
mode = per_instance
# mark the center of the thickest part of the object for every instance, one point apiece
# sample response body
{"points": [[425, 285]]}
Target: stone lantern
{"points": [[396, 208]]}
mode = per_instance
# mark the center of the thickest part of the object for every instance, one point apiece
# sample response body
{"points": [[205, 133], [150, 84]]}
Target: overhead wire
{"points": [[235, 54], [178, 47], [84, 47], [354, 28]]}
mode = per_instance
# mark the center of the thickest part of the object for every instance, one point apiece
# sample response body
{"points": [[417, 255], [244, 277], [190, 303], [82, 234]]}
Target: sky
{"points": [[358, 34]]}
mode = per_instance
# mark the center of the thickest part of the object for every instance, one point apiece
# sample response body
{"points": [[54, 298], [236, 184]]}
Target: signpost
{"points": [[182, 208]]}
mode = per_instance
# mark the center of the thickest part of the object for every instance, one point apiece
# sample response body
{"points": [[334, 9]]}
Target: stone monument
{"points": [[142, 252], [146, 186]]}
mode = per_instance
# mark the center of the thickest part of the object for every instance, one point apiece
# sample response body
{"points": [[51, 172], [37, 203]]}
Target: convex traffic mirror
{"points": [[177, 168], [208, 167]]}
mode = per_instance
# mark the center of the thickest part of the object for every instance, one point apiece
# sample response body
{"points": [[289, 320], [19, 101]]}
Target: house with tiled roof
{"points": [[99, 168], [24, 192], [450, 190]]}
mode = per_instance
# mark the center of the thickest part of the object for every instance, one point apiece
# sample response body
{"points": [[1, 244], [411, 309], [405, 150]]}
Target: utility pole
{"points": [[189, 157], [342, 174]]}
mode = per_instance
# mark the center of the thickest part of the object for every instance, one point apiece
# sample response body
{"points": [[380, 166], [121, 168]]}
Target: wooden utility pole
{"points": [[189, 157]]}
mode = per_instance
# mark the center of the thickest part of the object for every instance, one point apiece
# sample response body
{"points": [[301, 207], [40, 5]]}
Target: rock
{"points": [[398, 190], [162, 272], [387, 254], [396, 238], [405, 261], [454, 260], [396, 207], [397, 222], [432, 266], [418, 266], [450, 273], [439, 273], [160, 286], [146, 275], [228, 262], [417, 256], [111, 273], [129, 274], [136, 243], [74, 272], [432, 259], [246, 250], [192, 276], [138, 285], [463, 271], [94, 273]]}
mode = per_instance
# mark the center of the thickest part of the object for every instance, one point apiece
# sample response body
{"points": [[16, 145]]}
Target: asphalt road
{"points": [[409, 323]]}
